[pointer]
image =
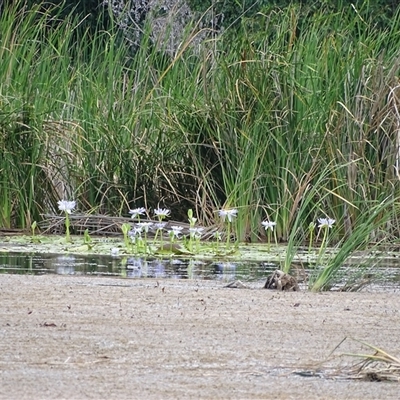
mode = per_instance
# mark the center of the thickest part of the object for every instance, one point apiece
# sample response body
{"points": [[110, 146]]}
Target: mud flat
{"points": [[82, 337]]}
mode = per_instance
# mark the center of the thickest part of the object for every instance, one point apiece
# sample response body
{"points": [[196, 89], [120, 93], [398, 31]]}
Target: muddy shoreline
{"points": [[112, 338]]}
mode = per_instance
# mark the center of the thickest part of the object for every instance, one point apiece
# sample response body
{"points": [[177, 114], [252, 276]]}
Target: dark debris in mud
{"points": [[279, 280]]}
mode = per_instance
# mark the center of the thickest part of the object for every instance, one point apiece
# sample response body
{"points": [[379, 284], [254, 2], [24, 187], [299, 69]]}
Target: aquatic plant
{"points": [[33, 229], [218, 237], [160, 225], [311, 229], [137, 212], [67, 207], [125, 231], [161, 214], [173, 233], [227, 216], [324, 224], [144, 227], [135, 235], [195, 234], [86, 237], [269, 228], [191, 219], [374, 224]]}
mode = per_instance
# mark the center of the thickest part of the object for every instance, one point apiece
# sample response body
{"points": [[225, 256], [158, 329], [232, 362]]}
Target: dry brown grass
{"points": [[377, 366]]}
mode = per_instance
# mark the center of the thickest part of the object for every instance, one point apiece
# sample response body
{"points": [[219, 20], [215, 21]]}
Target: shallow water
{"points": [[386, 276], [132, 267]]}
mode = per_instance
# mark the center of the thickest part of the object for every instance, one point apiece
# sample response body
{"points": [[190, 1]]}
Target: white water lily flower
{"points": [[67, 206], [136, 231], [162, 212], [137, 211], [195, 232], [160, 225], [230, 214], [175, 231], [325, 222], [268, 225], [144, 226]]}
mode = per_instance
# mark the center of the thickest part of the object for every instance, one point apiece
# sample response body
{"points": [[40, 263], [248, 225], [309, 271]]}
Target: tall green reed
{"points": [[22, 114], [250, 120], [274, 103], [366, 236]]}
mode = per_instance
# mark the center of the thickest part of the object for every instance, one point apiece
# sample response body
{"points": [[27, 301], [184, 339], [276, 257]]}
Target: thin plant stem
{"points": [[228, 235], [323, 244], [67, 223], [145, 241], [311, 241], [125, 231]]}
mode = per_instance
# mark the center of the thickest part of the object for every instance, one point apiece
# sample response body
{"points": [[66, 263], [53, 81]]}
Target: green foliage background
{"points": [[234, 10], [288, 115]]}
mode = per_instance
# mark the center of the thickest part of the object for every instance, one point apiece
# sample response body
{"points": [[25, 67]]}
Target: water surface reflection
{"points": [[386, 275], [132, 267]]}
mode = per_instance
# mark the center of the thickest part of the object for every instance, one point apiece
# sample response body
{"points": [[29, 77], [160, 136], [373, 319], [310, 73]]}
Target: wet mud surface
{"points": [[112, 338]]}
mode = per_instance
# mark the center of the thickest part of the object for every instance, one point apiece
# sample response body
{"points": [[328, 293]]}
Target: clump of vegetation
{"points": [[378, 366], [283, 119]]}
